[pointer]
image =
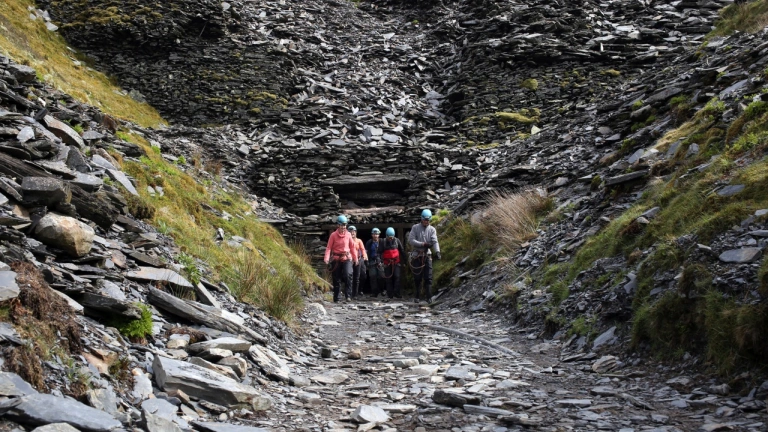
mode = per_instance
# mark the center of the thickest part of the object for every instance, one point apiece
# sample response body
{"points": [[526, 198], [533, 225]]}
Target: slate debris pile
{"points": [[58, 213]]}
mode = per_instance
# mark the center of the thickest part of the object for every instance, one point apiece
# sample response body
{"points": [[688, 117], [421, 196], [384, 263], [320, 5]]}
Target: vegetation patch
{"points": [[30, 43], [746, 17], [507, 220], [521, 117], [193, 227], [45, 321], [138, 329]]}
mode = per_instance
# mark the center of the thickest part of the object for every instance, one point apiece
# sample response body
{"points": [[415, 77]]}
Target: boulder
{"points": [[202, 383], [229, 373], [121, 178], [237, 364], [743, 255], [65, 233]]}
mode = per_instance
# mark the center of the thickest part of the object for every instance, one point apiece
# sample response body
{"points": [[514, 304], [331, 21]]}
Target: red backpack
{"points": [[390, 252]]}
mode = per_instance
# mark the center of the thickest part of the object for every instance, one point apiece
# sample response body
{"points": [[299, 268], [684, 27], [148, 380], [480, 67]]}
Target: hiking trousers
{"points": [[421, 265], [342, 273]]}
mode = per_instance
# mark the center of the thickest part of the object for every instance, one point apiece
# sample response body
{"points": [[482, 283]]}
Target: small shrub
{"points": [[190, 268], [138, 329], [139, 207], [611, 72], [78, 128], [181, 160], [637, 105], [762, 276]]}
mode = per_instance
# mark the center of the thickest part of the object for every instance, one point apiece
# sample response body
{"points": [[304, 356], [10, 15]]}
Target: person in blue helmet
{"points": [[423, 239], [375, 266], [358, 270], [391, 253], [340, 255]]}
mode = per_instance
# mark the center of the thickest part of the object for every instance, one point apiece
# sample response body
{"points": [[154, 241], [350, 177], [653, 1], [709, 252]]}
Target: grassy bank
{"points": [[264, 271], [29, 42]]}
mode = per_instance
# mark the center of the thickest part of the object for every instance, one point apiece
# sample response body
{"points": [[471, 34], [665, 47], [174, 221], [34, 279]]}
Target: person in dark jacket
{"points": [[391, 253], [375, 266]]}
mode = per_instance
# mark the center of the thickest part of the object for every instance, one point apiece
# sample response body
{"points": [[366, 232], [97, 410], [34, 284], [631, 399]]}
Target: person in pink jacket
{"points": [[341, 254], [358, 269]]}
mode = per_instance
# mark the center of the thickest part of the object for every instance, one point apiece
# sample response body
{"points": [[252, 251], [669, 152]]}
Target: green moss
{"points": [[762, 277], [637, 105], [514, 117], [530, 84], [611, 72]]}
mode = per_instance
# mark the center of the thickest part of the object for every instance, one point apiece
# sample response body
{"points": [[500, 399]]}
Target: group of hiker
{"points": [[379, 260]]}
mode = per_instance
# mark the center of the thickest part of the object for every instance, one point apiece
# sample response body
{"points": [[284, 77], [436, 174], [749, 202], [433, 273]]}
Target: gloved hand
{"points": [[438, 256], [427, 245], [326, 262]]}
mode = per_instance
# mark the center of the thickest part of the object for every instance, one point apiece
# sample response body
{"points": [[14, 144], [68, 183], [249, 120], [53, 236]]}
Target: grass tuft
{"points": [[251, 278], [511, 218]]}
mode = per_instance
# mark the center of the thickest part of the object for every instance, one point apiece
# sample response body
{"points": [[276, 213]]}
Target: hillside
{"points": [[598, 171]]}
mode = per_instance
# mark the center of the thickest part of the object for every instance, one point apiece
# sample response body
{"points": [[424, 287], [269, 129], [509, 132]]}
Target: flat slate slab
{"points": [[63, 131], [42, 409], [152, 274], [121, 178], [202, 383], [226, 343], [225, 427], [743, 255]]}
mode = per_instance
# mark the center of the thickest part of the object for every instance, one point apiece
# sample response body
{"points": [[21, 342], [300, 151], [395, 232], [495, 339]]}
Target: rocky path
{"points": [[393, 365]]}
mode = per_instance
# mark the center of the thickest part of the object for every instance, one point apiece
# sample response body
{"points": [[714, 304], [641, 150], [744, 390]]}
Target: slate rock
{"points": [[225, 427], [45, 191], [22, 73], [730, 190], [330, 377], [455, 398], [225, 343], [8, 287], [63, 131], [202, 383], [155, 423], [369, 414], [459, 373], [228, 372], [42, 409], [121, 178], [151, 274], [743, 255], [65, 233], [56, 427], [237, 364], [103, 399], [270, 363], [12, 385], [604, 338], [87, 182]]}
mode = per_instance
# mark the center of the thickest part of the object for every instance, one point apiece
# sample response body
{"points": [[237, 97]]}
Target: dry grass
{"points": [[29, 42], [510, 218], [271, 286], [748, 17], [45, 320]]}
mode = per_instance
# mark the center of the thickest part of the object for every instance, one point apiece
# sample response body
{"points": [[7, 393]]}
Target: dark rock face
{"points": [[198, 62]]}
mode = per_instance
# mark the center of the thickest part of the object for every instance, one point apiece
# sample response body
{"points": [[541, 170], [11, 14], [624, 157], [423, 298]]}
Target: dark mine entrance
{"points": [[370, 190]]}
